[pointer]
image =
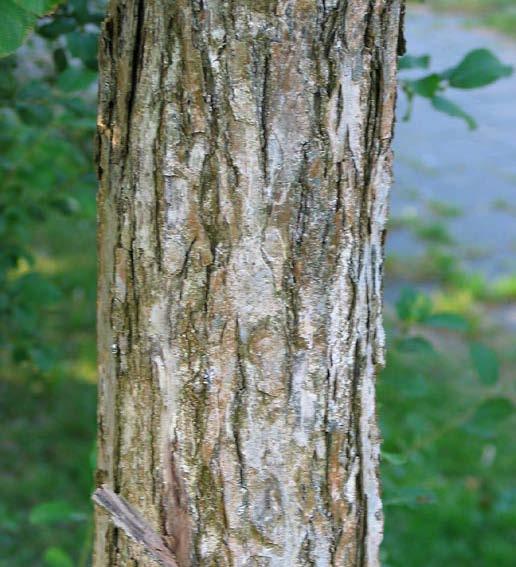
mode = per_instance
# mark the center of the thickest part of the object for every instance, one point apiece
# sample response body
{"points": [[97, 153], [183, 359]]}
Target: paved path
{"points": [[443, 160]]}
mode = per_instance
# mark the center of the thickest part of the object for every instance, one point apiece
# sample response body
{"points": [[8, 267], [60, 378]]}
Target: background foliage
{"points": [[499, 14], [445, 397]]}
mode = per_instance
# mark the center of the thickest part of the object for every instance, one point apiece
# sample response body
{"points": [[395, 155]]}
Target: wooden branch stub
{"points": [[134, 525]]}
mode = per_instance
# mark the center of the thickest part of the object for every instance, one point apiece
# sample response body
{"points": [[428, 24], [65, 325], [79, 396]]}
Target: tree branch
{"points": [[128, 519]]}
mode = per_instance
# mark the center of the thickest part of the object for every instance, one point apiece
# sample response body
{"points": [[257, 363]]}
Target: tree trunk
{"points": [[244, 164]]}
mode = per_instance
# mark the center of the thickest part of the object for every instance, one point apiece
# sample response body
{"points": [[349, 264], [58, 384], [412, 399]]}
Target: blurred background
{"points": [[446, 397]]}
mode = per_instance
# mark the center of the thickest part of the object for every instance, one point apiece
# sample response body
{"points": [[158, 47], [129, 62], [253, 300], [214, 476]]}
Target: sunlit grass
{"points": [[498, 14], [46, 265]]}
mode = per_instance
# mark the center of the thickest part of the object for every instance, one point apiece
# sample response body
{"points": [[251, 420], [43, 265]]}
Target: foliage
{"points": [[447, 423], [478, 68], [46, 132], [19, 17], [47, 479], [47, 292]]}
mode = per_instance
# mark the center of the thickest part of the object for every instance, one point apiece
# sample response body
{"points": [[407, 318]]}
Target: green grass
{"points": [[449, 493], [449, 497], [498, 14]]}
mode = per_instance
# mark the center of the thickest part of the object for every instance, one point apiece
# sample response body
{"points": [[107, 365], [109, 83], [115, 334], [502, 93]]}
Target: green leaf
{"points": [[34, 92], [8, 84], [446, 106], [60, 59], [427, 86], [485, 363], [435, 232], [412, 305], [78, 107], [489, 415], [74, 79], [406, 302], [57, 557], [34, 114], [415, 345], [83, 45], [15, 24], [80, 10], [413, 62], [37, 7], [18, 17], [51, 513], [479, 68], [57, 27], [451, 321]]}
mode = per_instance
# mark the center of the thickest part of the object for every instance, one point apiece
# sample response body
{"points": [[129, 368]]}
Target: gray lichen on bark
{"points": [[244, 163]]}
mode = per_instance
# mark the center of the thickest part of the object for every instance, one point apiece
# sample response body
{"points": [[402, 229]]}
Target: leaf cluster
{"points": [[479, 68], [447, 463], [46, 128]]}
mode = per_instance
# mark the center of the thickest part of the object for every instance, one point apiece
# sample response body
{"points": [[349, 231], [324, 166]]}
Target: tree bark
{"points": [[244, 163]]}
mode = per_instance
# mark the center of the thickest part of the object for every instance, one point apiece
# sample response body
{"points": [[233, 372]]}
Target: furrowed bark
{"points": [[244, 163]]}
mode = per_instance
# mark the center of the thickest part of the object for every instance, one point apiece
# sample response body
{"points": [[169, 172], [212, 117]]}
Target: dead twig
{"points": [[135, 526]]}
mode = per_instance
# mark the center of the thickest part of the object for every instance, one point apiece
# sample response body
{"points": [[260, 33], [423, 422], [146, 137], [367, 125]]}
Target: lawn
{"points": [[498, 14]]}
